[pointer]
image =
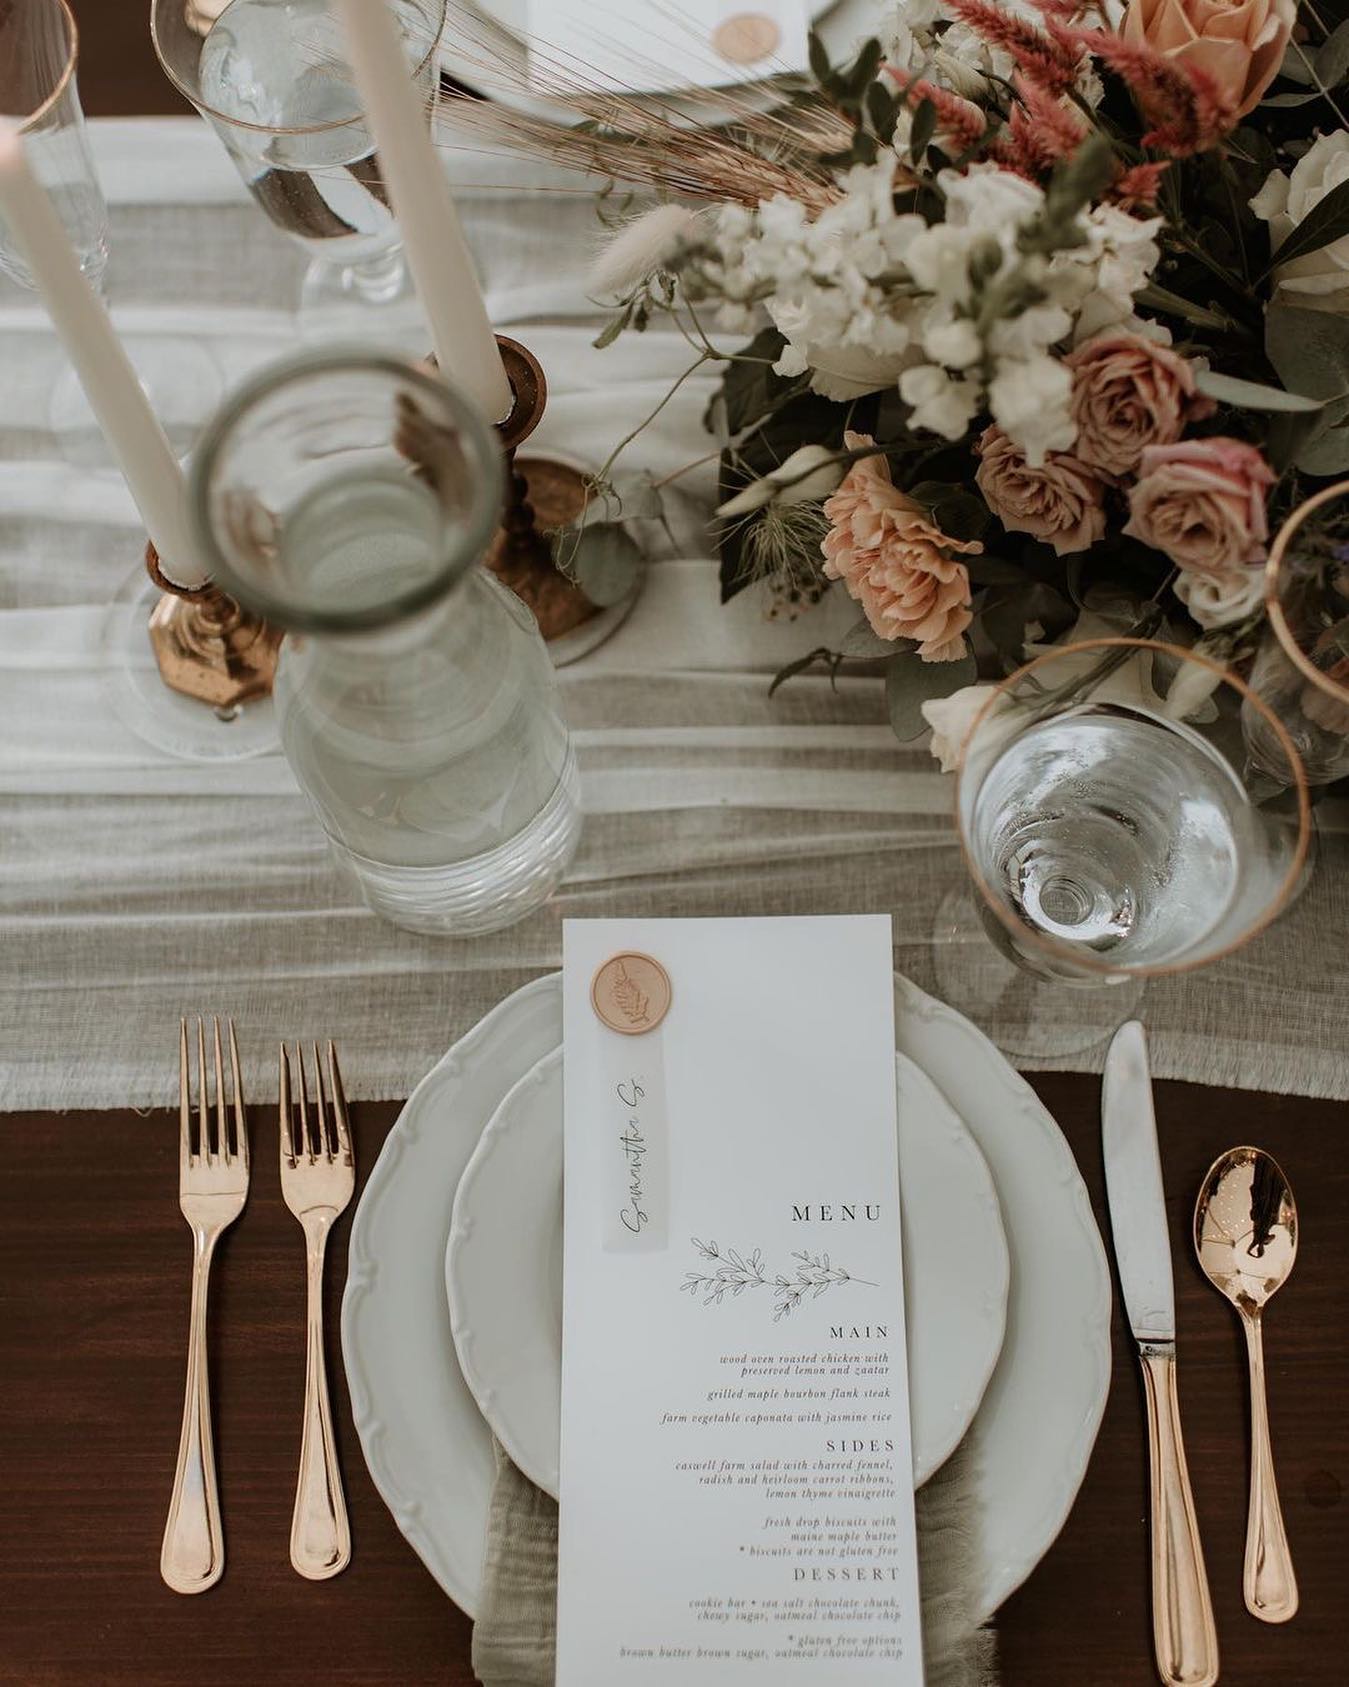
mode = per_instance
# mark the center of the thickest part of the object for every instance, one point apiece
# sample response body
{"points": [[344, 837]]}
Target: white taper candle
{"points": [[438, 254], [80, 318]]}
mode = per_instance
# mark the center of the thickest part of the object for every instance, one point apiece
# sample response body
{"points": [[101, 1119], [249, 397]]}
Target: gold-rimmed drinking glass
{"points": [[272, 79], [1302, 668], [39, 51], [1116, 830]]}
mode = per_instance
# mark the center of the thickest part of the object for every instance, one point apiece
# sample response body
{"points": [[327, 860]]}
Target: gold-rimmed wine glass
{"points": [[272, 79], [1302, 668], [1116, 830]]}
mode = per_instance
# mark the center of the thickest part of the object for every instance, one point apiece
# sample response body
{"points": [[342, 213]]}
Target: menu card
{"points": [[736, 1488], [640, 46]]}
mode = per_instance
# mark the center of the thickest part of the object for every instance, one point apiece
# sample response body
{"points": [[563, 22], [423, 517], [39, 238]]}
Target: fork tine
{"points": [[222, 1124], [184, 1101], [325, 1135], [340, 1106], [203, 1107], [286, 1116], [240, 1121], [305, 1136]]}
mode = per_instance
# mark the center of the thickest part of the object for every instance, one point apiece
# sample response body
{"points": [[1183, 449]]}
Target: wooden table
{"points": [[93, 1317]]}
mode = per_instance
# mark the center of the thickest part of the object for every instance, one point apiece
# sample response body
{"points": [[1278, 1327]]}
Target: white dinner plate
{"points": [[503, 1270], [491, 58], [427, 1446]]}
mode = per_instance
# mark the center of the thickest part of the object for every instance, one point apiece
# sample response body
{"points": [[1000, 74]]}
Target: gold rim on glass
{"points": [[67, 75], [1099, 964], [193, 95], [1274, 603]]}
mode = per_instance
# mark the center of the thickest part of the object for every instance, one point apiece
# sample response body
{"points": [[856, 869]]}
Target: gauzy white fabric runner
{"points": [[134, 888]]}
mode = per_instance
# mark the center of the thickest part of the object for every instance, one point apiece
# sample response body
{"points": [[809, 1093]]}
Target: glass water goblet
{"points": [[39, 52], [1301, 671], [1116, 830], [272, 79]]}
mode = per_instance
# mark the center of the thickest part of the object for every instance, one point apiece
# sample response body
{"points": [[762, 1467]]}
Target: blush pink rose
{"points": [[1129, 393], [1061, 501], [1202, 503], [1239, 43], [894, 561]]}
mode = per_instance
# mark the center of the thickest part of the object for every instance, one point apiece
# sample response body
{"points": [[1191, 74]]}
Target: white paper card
{"points": [[736, 1489], [646, 46]]}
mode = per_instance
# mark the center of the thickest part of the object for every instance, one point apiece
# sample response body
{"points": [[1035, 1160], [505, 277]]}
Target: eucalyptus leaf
{"points": [[750, 387], [1332, 57], [1309, 349], [862, 644], [910, 682], [1279, 101], [605, 562], [1252, 395], [1297, 64], [1326, 222], [1200, 316], [1327, 453]]}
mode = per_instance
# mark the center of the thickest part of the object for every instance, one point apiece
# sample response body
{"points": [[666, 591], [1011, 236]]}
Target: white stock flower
{"points": [[942, 403], [641, 247], [1219, 600], [1029, 399], [1317, 279], [954, 344]]}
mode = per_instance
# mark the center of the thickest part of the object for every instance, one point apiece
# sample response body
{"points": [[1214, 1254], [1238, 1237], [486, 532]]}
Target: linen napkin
{"points": [[515, 1636]]}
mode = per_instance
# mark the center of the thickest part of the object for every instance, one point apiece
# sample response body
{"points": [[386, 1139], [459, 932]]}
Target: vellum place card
{"points": [[736, 1488], [650, 45]]}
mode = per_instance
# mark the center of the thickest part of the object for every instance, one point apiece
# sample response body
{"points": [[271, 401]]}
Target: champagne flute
{"points": [[272, 79], [39, 51], [1116, 830]]}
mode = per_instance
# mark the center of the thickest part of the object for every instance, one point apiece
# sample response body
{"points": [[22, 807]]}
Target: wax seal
{"points": [[746, 38], [631, 993]]}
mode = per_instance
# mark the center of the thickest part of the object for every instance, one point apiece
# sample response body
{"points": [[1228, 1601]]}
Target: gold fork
{"points": [[212, 1189], [318, 1175]]}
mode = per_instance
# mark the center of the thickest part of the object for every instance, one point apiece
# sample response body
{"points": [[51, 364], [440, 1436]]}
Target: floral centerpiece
{"points": [[1049, 306]]}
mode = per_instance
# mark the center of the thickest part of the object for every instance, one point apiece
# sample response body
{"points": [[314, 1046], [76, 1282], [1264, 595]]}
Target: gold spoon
{"points": [[1245, 1233]]}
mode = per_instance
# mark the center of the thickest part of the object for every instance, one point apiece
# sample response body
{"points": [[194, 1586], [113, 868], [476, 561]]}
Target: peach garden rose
{"points": [[1061, 501], [1129, 393], [896, 562], [1239, 43]]}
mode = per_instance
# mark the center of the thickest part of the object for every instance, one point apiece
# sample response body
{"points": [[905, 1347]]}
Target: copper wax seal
{"points": [[631, 993], [746, 38]]}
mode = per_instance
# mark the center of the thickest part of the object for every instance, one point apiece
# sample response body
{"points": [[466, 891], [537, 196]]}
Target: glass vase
{"points": [[348, 498]]}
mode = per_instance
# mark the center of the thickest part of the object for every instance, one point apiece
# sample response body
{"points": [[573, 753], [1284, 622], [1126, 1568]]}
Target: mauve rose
{"points": [[1202, 503], [1129, 393], [1239, 43], [892, 559], [1060, 502]]}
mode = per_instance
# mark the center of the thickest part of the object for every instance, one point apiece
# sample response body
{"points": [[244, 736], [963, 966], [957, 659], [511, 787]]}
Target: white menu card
{"points": [[645, 46], [736, 1488]]}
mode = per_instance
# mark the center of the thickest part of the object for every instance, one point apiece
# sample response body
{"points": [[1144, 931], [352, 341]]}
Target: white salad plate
{"points": [[426, 1443], [503, 1270]]}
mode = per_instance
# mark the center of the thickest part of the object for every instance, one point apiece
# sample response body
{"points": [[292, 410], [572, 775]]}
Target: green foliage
{"points": [[910, 682], [602, 557], [1325, 223]]}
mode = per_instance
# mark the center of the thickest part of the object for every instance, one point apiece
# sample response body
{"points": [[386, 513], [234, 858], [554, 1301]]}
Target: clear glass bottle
{"points": [[349, 498]]}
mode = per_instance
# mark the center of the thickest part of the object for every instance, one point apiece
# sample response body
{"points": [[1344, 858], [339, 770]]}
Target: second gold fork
{"points": [[318, 1175]]}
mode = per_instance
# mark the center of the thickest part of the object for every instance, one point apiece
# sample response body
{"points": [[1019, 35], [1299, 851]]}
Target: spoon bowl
{"points": [[1245, 1234]]}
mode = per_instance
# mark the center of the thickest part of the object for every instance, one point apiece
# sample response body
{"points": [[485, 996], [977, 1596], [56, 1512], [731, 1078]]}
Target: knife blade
{"points": [[1133, 1181], [1185, 1640]]}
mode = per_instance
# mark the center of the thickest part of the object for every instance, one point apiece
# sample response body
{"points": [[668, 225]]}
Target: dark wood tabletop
{"points": [[94, 1279]]}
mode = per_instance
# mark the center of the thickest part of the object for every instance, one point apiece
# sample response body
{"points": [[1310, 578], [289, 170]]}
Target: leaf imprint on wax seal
{"points": [[631, 993], [746, 38]]}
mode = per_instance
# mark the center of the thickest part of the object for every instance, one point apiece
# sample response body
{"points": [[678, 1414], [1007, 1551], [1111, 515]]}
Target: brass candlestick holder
{"points": [[210, 648]]}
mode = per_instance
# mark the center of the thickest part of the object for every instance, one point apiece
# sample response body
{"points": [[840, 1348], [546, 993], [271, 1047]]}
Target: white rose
{"points": [[1029, 398], [952, 719], [1320, 279], [1217, 600]]}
